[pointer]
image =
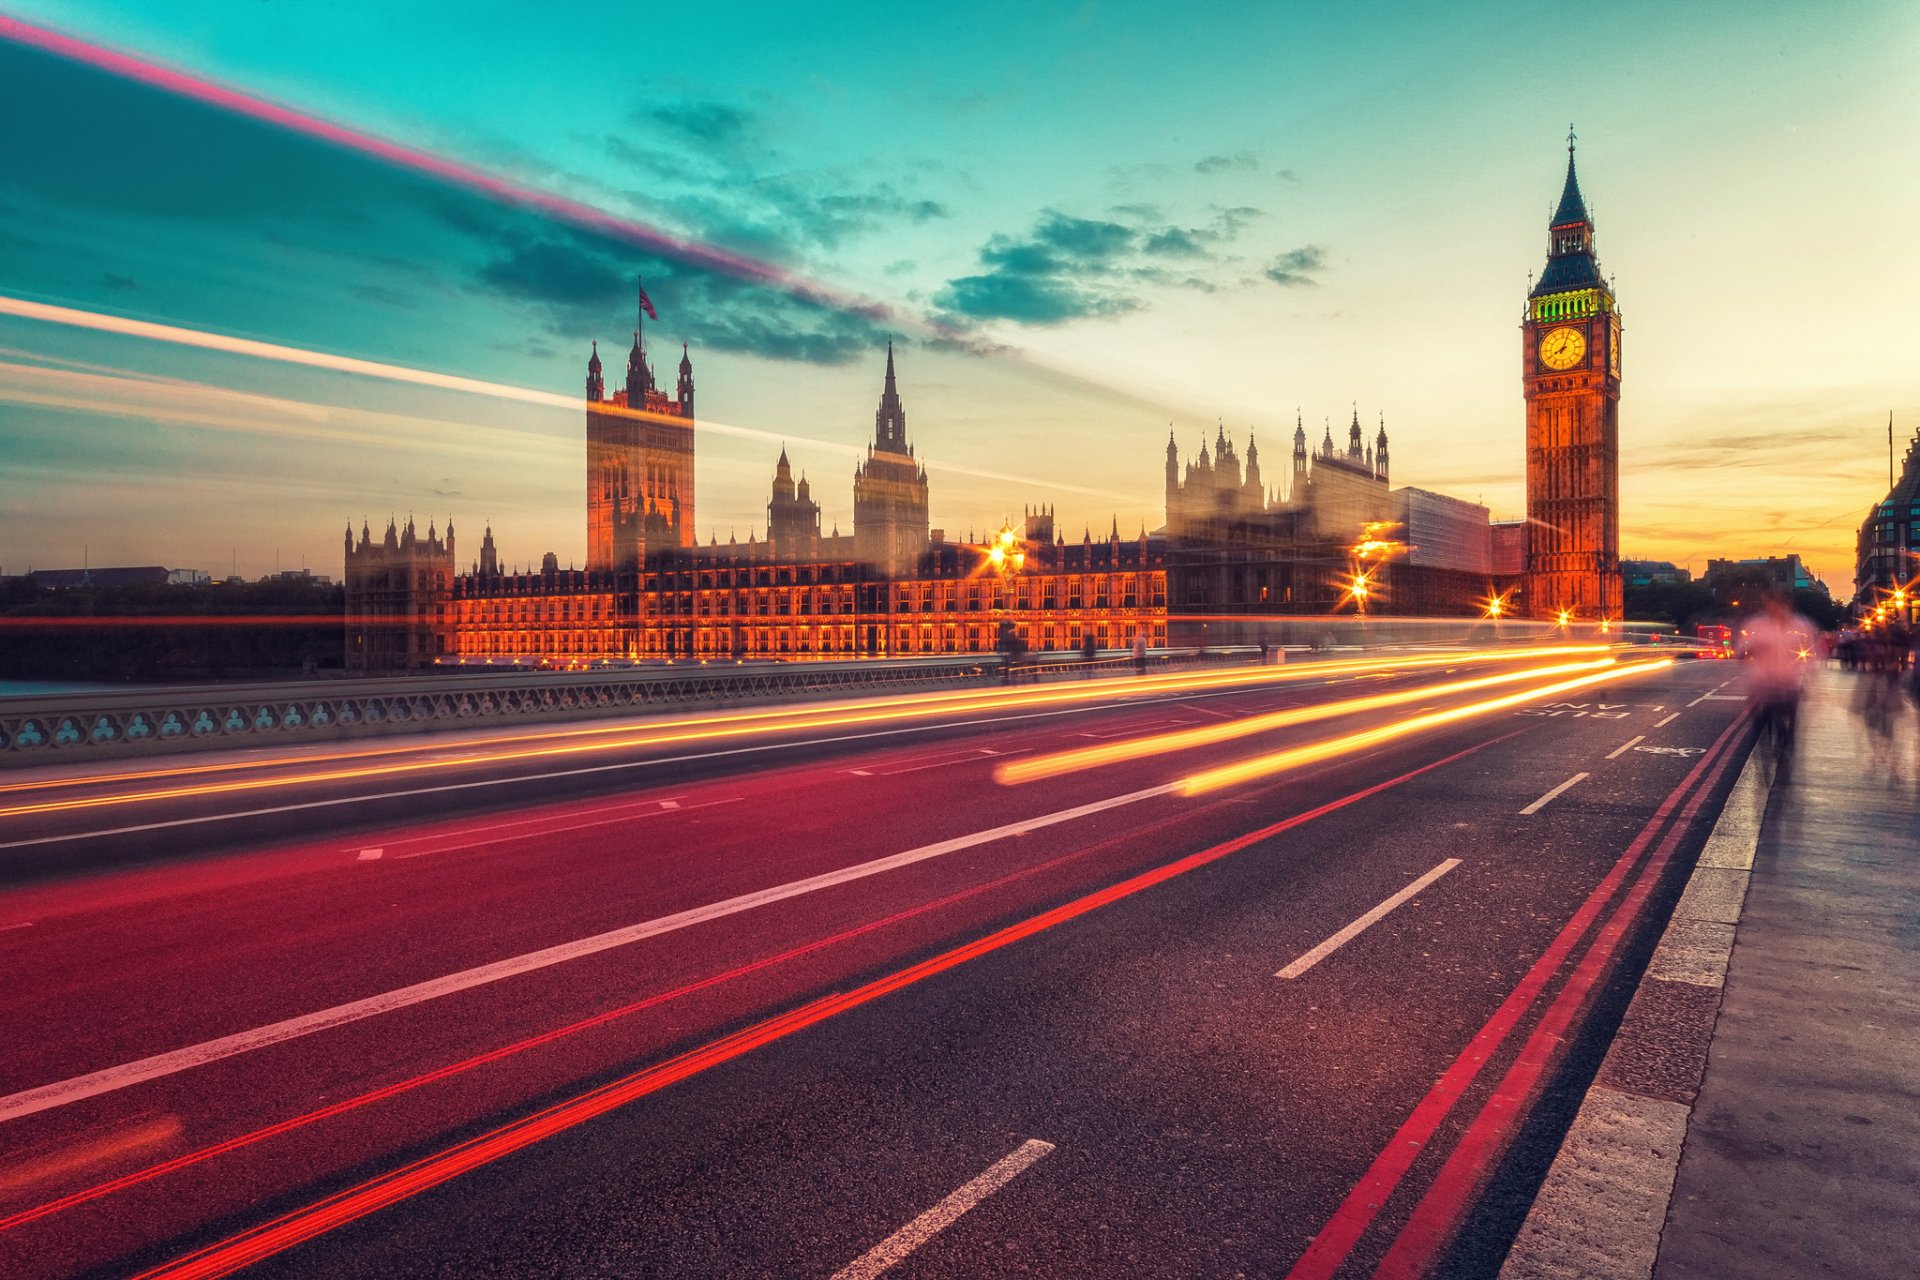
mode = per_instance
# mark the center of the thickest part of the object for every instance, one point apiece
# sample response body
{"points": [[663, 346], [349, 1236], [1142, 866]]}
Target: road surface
{"points": [[810, 1002]]}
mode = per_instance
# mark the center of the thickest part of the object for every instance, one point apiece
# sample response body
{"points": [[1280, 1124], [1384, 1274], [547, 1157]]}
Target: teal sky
{"points": [[1135, 216]]}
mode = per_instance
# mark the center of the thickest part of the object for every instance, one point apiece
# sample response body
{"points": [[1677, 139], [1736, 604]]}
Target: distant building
{"points": [[1654, 573], [296, 575], [1446, 533], [1888, 551], [188, 577], [894, 586], [1509, 547], [1786, 573]]}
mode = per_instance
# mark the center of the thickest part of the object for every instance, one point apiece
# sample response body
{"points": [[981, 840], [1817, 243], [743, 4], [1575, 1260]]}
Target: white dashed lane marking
{"points": [[897, 1246], [1549, 798]]}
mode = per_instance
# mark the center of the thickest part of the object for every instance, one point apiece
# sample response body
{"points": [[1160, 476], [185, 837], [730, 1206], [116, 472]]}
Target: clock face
{"points": [[1563, 348]]}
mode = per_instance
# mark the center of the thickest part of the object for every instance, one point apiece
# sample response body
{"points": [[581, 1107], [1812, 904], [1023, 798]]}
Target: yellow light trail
{"points": [[1313, 752], [1049, 766], [731, 725], [930, 702]]}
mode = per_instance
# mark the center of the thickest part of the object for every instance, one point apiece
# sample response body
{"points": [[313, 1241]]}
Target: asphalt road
{"points": [[757, 1014]]}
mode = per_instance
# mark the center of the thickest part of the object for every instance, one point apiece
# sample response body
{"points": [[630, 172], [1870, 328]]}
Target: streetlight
{"points": [[1359, 589], [1007, 555]]}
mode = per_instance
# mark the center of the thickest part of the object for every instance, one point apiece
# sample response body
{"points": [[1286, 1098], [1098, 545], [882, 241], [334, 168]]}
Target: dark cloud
{"points": [[1223, 163], [1070, 268], [1297, 267], [715, 169], [1030, 299], [705, 122], [119, 283], [1173, 243], [577, 282], [389, 238], [172, 158]]}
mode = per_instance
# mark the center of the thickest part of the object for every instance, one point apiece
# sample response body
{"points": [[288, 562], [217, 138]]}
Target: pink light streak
{"points": [[638, 234]]}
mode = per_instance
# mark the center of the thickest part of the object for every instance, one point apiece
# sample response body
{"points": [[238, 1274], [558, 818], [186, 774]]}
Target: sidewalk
{"points": [[1758, 1115]]}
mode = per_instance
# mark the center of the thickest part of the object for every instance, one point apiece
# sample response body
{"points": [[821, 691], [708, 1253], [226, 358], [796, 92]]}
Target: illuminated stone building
{"points": [[1570, 358], [397, 592], [894, 586], [1887, 556], [1234, 550], [639, 457]]}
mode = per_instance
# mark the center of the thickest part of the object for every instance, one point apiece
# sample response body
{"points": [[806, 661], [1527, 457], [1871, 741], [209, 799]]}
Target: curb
{"points": [[1601, 1210]]}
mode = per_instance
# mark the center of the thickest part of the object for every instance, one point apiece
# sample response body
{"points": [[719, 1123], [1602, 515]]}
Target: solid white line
{"points": [[983, 754], [943, 1215], [1669, 720], [1548, 798], [666, 807], [651, 762], [619, 807], [1626, 746], [1372, 917], [106, 1080], [369, 855]]}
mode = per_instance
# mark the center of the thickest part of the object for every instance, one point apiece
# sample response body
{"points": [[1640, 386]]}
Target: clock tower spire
{"points": [[1570, 374]]}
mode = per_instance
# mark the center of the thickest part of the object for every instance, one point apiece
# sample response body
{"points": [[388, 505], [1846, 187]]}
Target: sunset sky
{"points": [[1081, 223]]}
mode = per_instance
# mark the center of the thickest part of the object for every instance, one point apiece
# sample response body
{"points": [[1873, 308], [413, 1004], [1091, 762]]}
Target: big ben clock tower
{"points": [[1570, 357]]}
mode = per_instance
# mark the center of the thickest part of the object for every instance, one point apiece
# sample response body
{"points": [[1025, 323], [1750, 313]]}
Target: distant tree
{"points": [[1680, 603], [1819, 608], [196, 631]]}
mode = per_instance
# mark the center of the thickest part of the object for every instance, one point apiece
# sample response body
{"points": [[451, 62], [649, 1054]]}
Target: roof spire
{"points": [[1572, 207]]}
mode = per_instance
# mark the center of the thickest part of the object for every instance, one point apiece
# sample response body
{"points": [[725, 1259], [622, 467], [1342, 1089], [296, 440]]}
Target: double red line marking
{"points": [[259, 1243], [1441, 1209]]}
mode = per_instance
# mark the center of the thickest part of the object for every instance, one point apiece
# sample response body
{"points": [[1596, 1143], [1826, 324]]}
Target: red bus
{"points": [[1718, 635]]}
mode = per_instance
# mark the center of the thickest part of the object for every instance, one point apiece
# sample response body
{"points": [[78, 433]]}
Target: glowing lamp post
{"points": [[1006, 556]]}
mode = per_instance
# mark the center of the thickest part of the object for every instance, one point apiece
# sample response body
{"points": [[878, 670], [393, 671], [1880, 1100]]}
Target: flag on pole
{"points": [[646, 303]]}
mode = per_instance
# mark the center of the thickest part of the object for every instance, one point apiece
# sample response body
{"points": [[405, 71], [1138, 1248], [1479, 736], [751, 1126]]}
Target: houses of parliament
{"points": [[1234, 554]]}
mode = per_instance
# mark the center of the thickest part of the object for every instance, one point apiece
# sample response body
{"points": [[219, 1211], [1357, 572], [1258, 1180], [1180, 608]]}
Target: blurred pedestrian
{"points": [[1776, 642], [1140, 653]]}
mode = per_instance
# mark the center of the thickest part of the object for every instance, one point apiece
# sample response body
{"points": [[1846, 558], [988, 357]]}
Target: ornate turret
{"points": [[1252, 491], [596, 385], [685, 388], [890, 527], [1380, 449], [639, 374], [1354, 451], [890, 419]]}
